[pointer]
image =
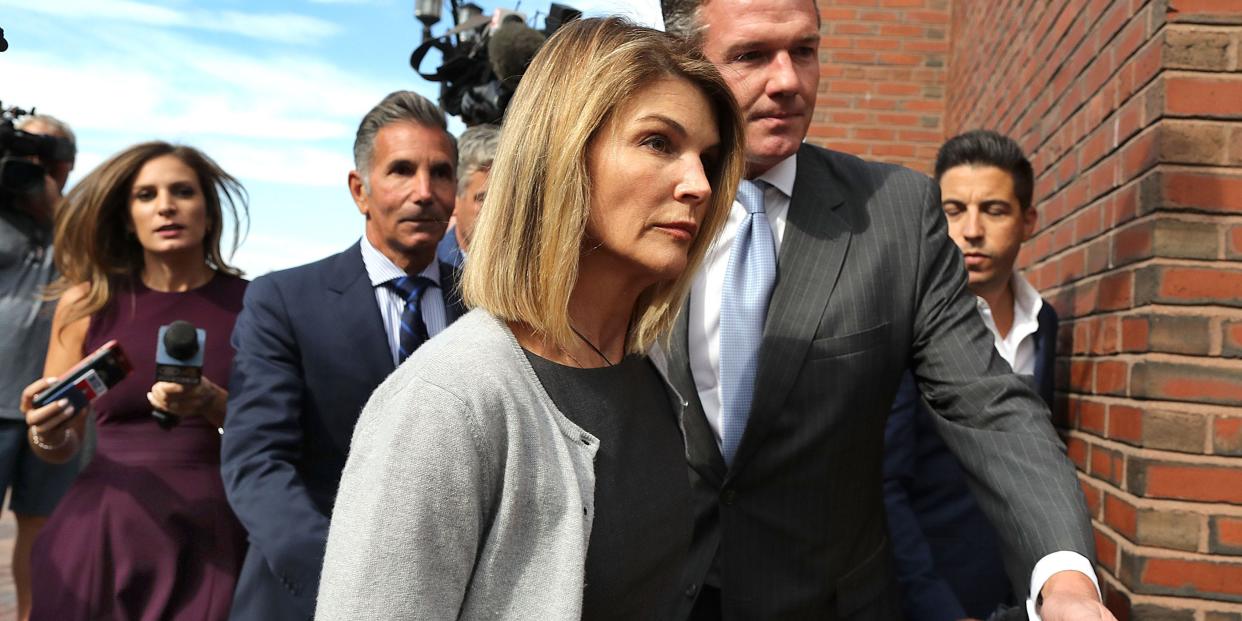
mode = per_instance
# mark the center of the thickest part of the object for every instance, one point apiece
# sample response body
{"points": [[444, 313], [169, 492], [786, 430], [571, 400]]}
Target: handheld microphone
{"points": [[178, 359]]}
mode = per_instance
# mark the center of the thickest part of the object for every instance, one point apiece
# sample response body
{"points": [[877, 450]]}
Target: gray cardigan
{"points": [[467, 494]]}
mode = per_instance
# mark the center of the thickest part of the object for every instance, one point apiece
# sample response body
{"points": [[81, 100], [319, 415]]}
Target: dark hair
{"points": [[983, 147]]}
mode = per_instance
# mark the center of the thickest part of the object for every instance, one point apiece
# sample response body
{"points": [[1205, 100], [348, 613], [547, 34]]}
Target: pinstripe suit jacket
{"points": [[868, 284]]}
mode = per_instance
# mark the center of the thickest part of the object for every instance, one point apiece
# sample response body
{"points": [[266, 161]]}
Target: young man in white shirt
{"points": [[948, 555]]}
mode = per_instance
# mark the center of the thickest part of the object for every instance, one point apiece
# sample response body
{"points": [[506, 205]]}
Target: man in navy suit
{"points": [[314, 341], [948, 554]]}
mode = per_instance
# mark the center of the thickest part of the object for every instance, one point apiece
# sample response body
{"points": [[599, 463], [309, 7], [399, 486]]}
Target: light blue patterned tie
{"points": [[744, 307]]}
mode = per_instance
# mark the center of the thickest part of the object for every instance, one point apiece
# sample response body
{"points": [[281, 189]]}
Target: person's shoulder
{"points": [[1047, 313], [476, 359], [856, 170]]}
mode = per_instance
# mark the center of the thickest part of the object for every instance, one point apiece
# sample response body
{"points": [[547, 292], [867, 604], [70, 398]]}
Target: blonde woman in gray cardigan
{"points": [[529, 462]]}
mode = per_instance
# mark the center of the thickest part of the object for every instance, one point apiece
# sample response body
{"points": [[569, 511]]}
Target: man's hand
{"points": [[1071, 596]]}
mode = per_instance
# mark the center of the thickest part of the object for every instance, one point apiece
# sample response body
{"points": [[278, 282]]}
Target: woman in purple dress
{"points": [[145, 532]]}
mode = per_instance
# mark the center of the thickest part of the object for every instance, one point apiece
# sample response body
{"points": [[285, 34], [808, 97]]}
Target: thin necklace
{"points": [[571, 357], [589, 344]]}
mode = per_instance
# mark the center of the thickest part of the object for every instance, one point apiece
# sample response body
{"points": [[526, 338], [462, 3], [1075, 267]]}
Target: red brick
{"points": [[1073, 266], [1116, 291], [1189, 285], [1227, 435], [1203, 191], [873, 134], [902, 30], [1125, 424], [1120, 516], [1076, 448], [1185, 481], [878, 44], [1107, 464], [1235, 239], [1082, 375], [1106, 551], [1111, 377], [1178, 381], [1226, 535], [1092, 416], [1092, 495], [1192, 577], [1232, 337], [1134, 334], [1199, 10], [1133, 243]]}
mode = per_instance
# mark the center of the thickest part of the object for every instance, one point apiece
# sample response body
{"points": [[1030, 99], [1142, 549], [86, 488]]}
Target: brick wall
{"points": [[1132, 111], [882, 79]]}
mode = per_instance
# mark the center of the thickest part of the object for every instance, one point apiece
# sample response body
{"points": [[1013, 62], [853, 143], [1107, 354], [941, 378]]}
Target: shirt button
{"points": [[692, 590], [729, 497]]}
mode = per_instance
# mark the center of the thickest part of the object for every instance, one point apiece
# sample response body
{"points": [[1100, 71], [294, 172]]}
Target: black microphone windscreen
{"points": [[181, 340], [511, 48]]}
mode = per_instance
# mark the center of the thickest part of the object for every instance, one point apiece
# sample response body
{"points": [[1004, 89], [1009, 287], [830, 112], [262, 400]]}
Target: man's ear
{"points": [[358, 192], [1030, 217]]}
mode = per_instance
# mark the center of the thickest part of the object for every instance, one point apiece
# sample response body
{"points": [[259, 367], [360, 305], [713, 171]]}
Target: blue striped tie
{"points": [[413, 328], [744, 307]]}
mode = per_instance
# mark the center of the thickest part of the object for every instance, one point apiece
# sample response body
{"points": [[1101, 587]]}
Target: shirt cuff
{"points": [[1054, 563]]}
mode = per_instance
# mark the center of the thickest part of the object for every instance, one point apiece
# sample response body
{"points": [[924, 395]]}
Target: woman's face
{"points": [[649, 189], [166, 207]]}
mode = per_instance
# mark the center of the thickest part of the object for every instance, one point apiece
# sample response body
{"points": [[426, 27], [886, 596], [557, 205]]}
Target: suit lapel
{"points": [[358, 315], [812, 252], [1045, 353], [701, 448]]}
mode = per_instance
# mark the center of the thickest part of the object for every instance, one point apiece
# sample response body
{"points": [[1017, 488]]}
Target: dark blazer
{"points": [[868, 285], [310, 348], [448, 251], [948, 555]]}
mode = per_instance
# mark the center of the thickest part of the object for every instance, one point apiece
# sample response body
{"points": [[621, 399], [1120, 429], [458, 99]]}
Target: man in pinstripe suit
{"points": [[790, 515]]}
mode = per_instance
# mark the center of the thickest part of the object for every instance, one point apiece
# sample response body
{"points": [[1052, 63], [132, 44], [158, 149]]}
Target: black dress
{"points": [[643, 522]]}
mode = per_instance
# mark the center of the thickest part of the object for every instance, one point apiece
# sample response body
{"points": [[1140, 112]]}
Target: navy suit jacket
{"points": [[448, 251], [311, 347], [948, 554]]}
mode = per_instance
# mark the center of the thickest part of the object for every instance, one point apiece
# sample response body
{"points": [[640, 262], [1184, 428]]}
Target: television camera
{"points": [[23, 157], [484, 56]]}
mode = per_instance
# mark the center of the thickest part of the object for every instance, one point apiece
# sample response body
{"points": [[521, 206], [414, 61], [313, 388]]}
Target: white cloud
{"points": [[261, 254], [282, 27]]}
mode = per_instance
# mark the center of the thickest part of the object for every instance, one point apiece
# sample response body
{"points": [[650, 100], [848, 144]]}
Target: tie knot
{"points": [[750, 195], [411, 287]]}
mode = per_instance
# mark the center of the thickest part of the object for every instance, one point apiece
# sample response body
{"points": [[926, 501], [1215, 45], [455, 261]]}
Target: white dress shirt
{"points": [[381, 270], [704, 336], [1017, 347]]}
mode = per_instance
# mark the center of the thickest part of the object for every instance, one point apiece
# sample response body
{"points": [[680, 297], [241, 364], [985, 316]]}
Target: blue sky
{"points": [[273, 90]]}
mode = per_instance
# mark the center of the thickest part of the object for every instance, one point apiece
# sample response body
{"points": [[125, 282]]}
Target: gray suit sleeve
{"points": [[993, 421], [409, 515]]}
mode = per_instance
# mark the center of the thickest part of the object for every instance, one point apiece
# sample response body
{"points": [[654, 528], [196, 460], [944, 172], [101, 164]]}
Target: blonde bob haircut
{"points": [[524, 258]]}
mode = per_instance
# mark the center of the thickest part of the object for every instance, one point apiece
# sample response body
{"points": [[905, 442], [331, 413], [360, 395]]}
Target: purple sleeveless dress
{"points": [[145, 532]]}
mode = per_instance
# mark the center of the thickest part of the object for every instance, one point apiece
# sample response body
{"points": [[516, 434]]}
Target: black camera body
{"points": [[21, 174], [481, 71]]}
